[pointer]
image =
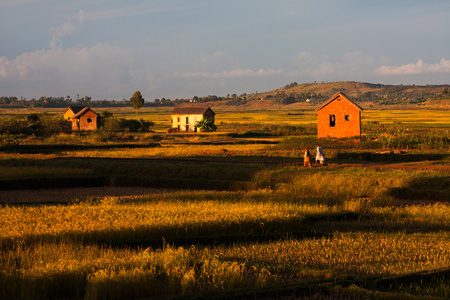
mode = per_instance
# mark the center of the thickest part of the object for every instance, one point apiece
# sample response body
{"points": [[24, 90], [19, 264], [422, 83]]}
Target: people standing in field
{"points": [[306, 160], [319, 154]]}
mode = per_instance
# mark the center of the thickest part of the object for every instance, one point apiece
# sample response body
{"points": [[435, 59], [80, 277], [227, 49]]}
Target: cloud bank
{"points": [[418, 68], [57, 70]]}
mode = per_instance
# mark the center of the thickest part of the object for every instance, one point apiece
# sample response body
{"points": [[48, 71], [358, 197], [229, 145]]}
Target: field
{"points": [[229, 214]]}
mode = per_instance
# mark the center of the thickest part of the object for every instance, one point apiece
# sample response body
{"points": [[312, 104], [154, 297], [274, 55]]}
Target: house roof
{"points": [[75, 109], [82, 112], [188, 110], [334, 97]]}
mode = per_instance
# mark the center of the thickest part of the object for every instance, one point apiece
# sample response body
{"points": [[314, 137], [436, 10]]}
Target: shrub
{"points": [[124, 125], [206, 125], [282, 130], [40, 125]]}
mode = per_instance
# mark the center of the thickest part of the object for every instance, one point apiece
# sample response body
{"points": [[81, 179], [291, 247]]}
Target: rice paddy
{"points": [[224, 216]]}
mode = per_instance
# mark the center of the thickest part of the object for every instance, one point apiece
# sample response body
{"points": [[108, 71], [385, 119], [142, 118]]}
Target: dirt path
{"points": [[392, 166], [187, 159]]}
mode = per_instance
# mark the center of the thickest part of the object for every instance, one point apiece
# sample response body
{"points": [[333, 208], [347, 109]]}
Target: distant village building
{"points": [[339, 117], [82, 118], [184, 119]]}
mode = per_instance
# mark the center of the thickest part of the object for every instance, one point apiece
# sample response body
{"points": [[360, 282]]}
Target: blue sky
{"points": [[180, 49]]}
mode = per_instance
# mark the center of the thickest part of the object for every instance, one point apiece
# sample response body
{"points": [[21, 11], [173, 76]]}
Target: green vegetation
{"points": [[206, 125], [34, 124], [137, 101]]}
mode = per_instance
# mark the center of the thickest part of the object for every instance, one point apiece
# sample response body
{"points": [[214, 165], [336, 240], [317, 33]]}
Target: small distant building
{"points": [[184, 119], [82, 118], [339, 117]]}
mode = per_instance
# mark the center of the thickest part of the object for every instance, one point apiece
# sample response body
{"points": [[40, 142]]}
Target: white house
{"points": [[184, 119]]}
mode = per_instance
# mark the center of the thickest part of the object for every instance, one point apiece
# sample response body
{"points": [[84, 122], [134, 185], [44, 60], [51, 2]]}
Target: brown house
{"points": [[184, 119], [339, 117], [82, 118]]}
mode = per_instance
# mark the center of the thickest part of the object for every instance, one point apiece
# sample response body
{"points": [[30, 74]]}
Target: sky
{"points": [[108, 49]]}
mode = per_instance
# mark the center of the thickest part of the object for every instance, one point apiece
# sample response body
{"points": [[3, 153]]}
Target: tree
{"points": [[33, 118], [137, 101], [206, 125]]}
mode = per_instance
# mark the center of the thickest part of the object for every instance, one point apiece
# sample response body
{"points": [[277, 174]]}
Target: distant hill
{"points": [[379, 94], [312, 94]]}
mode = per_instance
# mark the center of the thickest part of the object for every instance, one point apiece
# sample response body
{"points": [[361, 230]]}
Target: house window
{"points": [[332, 120], [347, 118], [187, 120], [187, 127], [89, 120], [178, 119]]}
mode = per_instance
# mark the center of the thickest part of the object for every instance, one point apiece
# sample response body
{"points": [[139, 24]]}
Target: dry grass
{"points": [[68, 195]]}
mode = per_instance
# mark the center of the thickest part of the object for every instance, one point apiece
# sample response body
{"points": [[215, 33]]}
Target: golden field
{"points": [[229, 214]]}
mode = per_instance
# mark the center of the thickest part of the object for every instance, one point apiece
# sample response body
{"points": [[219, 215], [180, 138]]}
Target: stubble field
{"points": [[229, 214]]}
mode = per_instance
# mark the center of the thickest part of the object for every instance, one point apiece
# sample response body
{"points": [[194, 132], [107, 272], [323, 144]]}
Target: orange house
{"points": [[82, 118], [339, 117], [71, 111]]}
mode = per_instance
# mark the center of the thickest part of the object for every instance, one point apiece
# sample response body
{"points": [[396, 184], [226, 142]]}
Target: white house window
{"points": [[332, 120]]}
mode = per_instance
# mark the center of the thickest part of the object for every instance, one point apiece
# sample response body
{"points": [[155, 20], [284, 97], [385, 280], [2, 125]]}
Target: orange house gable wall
{"points": [[84, 124], [343, 128]]}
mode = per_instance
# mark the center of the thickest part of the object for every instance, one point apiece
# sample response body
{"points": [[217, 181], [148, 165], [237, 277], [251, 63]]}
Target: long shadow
{"points": [[55, 149], [197, 233], [389, 157], [424, 189], [193, 173], [228, 143], [158, 173], [228, 233], [422, 279]]}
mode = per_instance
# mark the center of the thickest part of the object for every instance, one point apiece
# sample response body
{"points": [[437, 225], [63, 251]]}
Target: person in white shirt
{"points": [[319, 154]]}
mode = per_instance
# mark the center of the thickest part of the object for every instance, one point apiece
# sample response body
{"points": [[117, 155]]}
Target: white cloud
{"points": [[219, 65], [101, 69], [416, 68], [66, 29]]}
